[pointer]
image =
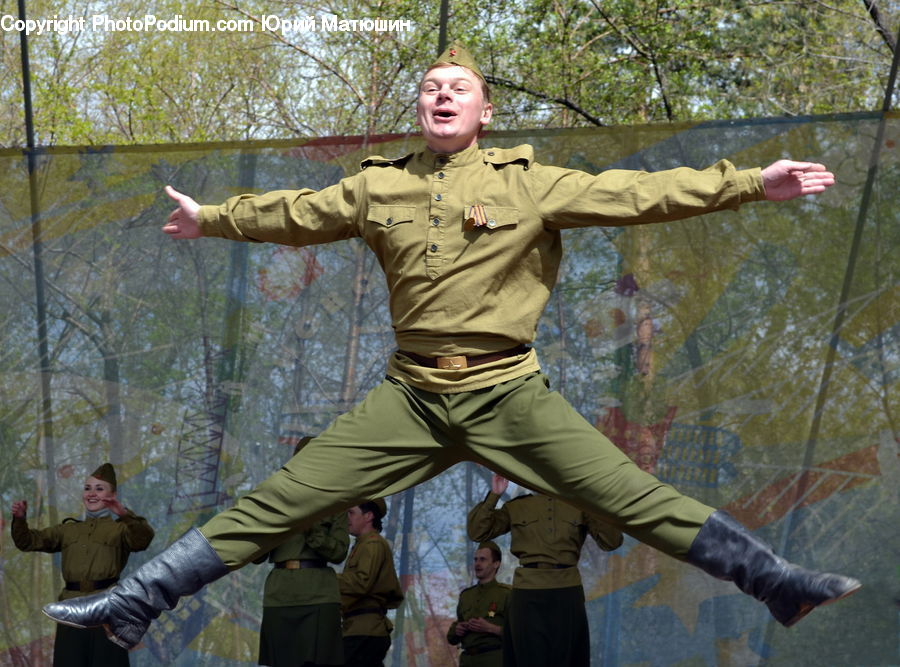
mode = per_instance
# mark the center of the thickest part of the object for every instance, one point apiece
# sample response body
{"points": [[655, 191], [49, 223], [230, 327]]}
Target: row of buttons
{"points": [[435, 221]]}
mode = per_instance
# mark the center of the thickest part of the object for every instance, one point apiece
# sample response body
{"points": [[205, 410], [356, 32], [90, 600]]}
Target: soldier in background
{"points": [[301, 622], [546, 623], [369, 587], [481, 612], [94, 552]]}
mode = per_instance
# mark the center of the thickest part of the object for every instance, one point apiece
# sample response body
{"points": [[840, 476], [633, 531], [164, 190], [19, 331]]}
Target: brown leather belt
{"points": [[547, 566], [90, 586], [381, 611], [301, 564], [461, 361]]}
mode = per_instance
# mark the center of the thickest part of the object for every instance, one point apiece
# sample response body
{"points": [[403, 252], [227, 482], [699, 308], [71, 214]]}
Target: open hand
{"points": [[786, 179], [182, 223]]}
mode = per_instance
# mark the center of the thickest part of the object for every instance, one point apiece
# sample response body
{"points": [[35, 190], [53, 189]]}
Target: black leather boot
{"points": [[727, 550], [125, 610]]}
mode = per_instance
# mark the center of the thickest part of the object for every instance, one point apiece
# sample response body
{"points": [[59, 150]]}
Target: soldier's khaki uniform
{"points": [[301, 621], [546, 621], [487, 601], [93, 554], [462, 290], [369, 587]]}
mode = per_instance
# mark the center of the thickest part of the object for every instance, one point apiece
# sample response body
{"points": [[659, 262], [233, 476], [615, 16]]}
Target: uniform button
{"points": [[440, 174], [390, 221], [490, 152], [492, 223], [436, 222], [438, 197], [434, 247]]}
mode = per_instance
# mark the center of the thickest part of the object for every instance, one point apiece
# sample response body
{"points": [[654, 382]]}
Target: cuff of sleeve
{"points": [[207, 220], [750, 185], [491, 499]]}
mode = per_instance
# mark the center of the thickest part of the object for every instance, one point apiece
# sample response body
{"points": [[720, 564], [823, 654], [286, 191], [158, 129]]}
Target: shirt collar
{"points": [[367, 536], [443, 160]]}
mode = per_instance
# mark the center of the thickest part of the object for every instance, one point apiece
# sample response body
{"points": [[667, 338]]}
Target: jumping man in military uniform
{"points": [[470, 242], [481, 612], [369, 587], [94, 552]]}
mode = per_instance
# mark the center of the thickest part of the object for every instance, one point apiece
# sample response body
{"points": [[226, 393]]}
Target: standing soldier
{"points": [[301, 623], [481, 612], [369, 587], [470, 240], [94, 552], [546, 622]]}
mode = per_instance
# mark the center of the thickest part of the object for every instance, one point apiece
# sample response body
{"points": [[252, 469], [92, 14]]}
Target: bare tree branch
{"points": [[641, 49], [505, 83], [872, 8]]}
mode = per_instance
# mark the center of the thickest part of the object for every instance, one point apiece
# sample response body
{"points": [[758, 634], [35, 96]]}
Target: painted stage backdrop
{"points": [[749, 358]]}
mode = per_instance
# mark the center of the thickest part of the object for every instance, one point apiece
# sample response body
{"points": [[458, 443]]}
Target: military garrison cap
{"points": [[106, 473], [457, 54]]}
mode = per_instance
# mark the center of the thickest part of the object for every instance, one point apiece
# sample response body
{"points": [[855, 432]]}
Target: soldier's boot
{"points": [[727, 550], [125, 610]]}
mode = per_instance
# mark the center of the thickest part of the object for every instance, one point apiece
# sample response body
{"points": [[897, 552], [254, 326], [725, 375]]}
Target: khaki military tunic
{"points": [[92, 550], [457, 289], [369, 587], [544, 531], [547, 620], [301, 622], [327, 540], [487, 601], [93, 554]]}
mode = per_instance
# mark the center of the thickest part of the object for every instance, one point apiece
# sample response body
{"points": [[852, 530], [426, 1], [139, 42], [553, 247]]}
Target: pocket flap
{"points": [[389, 215], [490, 217]]}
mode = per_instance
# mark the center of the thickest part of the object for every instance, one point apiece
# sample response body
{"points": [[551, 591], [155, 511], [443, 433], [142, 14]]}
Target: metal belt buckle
{"points": [[451, 363]]}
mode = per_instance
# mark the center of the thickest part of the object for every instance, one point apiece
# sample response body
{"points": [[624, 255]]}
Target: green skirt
{"points": [[301, 635], [86, 647], [546, 627]]}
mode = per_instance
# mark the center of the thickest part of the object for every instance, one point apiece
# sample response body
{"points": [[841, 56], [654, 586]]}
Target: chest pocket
{"points": [[493, 218], [524, 526], [388, 216]]}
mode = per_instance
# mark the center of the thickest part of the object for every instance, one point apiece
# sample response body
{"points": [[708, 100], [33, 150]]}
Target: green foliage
{"points": [[553, 63]]}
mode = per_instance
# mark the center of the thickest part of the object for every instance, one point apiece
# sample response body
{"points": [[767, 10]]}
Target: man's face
{"points": [[451, 109], [485, 566], [95, 490], [359, 522]]}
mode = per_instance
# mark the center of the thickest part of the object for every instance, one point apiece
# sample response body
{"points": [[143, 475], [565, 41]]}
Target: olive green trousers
{"points": [[399, 436]]}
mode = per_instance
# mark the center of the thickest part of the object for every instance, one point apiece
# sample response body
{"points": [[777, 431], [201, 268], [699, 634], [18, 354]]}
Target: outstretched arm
{"points": [[182, 222], [484, 522], [786, 179], [25, 539], [19, 509]]}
